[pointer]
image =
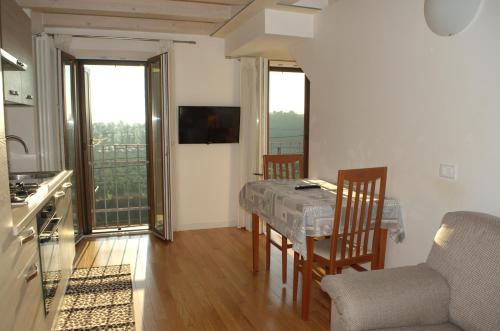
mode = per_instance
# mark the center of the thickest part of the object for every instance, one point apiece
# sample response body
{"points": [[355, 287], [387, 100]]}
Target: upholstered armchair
{"points": [[457, 288]]}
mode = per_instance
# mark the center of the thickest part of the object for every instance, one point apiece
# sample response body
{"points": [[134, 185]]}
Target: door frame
{"points": [[307, 108], [86, 135], [75, 104]]}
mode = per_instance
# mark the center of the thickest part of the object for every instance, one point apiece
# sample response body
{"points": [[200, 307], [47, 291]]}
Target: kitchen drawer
{"points": [[24, 297], [25, 245]]}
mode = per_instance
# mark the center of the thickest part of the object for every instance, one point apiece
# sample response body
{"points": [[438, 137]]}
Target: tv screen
{"points": [[209, 125]]}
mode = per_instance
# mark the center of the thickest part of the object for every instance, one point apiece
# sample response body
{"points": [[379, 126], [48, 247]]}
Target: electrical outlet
{"points": [[448, 171]]}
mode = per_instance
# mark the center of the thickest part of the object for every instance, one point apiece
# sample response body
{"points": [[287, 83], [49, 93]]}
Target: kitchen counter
{"points": [[22, 215]]}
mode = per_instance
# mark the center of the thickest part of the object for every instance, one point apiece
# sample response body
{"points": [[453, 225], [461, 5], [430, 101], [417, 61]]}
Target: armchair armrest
{"points": [[406, 296]]}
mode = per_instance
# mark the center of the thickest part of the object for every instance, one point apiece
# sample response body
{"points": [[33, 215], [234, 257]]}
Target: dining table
{"points": [[302, 215]]}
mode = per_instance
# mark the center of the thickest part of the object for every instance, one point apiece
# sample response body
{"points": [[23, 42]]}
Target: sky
{"points": [[117, 93], [286, 91]]}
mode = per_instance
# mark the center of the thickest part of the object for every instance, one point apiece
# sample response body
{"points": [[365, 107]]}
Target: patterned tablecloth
{"points": [[301, 213]]}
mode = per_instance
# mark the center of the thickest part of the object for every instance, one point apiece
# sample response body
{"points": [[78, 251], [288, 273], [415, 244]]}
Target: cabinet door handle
{"points": [[30, 235], [13, 92], [31, 273], [66, 185], [29, 97], [59, 194]]}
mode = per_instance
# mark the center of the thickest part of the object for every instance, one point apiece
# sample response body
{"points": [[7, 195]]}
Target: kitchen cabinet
{"points": [[41, 249], [19, 87], [23, 308]]}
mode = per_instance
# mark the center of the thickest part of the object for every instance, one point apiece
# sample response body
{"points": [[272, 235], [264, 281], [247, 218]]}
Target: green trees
{"points": [[286, 132]]}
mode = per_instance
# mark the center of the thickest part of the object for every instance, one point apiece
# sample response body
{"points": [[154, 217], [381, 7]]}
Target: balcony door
{"points": [[159, 151], [125, 134], [288, 112], [71, 131]]}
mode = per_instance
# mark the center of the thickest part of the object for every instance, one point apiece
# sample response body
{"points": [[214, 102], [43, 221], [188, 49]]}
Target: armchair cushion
{"points": [[466, 252], [390, 298], [435, 327]]}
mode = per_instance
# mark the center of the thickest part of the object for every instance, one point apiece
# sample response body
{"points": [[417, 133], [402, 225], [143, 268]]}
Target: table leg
{"points": [[382, 247], [268, 247], [284, 255], [255, 242], [307, 278]]}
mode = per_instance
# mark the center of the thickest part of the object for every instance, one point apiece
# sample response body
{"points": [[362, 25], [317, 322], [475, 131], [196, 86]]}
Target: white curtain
{"points": [[253, 128], [49, 118]]}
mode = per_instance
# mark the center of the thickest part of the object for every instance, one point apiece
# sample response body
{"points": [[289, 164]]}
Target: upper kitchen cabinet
{"points": [[17, 42]]}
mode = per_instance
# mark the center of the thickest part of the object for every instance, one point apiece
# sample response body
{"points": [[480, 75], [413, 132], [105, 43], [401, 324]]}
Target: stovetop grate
{"points": [[20, 191]]}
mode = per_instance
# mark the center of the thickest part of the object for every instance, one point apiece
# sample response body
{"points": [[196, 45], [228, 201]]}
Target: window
{"points": [[288, 117]]}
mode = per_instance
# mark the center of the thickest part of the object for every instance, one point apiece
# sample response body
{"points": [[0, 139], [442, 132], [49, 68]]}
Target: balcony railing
{"points": [[285, 145], [121, 190]]}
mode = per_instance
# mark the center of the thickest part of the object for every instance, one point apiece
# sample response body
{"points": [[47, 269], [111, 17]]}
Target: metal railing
{"points": [[286, 146], [121, 190]]}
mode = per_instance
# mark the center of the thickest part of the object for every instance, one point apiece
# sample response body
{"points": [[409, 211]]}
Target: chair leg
{"points": [[339, 270], [296, 258], [268, 247], [284, 253]]}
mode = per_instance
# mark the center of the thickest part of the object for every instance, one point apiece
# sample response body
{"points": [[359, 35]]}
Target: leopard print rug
{"points": [[98, 298]]}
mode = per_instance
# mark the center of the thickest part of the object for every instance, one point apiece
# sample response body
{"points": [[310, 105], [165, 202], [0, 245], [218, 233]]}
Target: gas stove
{"points": [[20, 192]]}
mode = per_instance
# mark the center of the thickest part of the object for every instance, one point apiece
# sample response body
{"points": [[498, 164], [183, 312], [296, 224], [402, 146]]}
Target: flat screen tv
{"points": [[209, 125]]}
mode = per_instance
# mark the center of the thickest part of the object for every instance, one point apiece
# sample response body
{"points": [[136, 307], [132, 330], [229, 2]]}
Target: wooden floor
{"points": [[203, 281]]}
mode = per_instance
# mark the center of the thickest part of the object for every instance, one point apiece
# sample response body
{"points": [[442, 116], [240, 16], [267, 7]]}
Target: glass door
{"points": [[72, 150], [158, 149], [116, 145]]}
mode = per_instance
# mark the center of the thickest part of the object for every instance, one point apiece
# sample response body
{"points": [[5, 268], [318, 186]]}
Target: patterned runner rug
{"points": [[98, 298]]}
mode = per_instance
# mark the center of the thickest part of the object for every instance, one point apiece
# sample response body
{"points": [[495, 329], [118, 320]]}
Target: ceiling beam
{"points": [[153, 9], [223, 2], [124, 23]]}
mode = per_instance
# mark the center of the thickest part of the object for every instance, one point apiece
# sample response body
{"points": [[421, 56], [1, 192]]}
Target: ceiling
{"points": [[179, 16]]}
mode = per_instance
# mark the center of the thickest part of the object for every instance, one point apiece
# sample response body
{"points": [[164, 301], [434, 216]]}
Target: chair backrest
{"points": [[363, 191], [466, 252], [288, 166]]}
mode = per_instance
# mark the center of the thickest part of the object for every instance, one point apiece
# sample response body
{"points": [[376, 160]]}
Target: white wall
{"points": [[205, 176], [387, 91]]}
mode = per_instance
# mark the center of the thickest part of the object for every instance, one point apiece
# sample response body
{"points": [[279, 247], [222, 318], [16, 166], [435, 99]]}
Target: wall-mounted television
{"points": [[209, 125]]}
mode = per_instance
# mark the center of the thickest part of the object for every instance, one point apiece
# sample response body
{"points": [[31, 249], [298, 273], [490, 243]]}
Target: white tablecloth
{"points": [[300, 213]]}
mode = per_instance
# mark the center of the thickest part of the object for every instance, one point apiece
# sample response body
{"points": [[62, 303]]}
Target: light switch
{"points": [[448, 171]]}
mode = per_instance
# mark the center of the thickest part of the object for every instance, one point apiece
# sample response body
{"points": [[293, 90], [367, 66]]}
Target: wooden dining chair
{"points": [[281, 167], [357, 223]]}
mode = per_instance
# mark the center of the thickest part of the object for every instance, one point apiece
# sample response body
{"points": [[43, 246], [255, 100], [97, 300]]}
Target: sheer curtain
{"points": [[49, 118], [253, 132]]}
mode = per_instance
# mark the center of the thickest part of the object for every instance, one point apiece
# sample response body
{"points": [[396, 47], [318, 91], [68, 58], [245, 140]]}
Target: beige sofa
{"points": [[457, 288]]}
